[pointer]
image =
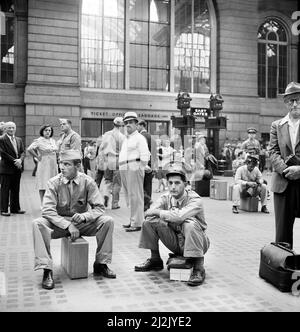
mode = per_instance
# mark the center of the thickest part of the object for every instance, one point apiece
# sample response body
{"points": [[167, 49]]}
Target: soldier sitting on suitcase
{"points": [[177, 219], [72, 207], [249, 183]]}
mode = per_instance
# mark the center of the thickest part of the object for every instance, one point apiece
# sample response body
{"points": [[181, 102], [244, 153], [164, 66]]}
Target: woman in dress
{"points": [[44, 150]]}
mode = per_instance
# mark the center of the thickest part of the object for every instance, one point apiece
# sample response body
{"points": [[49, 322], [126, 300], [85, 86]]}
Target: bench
{"points": [[75, 257]]}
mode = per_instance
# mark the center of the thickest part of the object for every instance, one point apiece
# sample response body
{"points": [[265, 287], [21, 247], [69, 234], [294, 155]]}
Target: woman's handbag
{"points": [[277, 264]]}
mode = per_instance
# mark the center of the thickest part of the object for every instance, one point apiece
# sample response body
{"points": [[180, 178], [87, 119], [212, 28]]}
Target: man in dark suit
{"points": [[151, 164], [11, 167], [284, 151]]}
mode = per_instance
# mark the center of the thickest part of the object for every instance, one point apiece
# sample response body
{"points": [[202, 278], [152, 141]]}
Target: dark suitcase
{"points": [[277, 265]]}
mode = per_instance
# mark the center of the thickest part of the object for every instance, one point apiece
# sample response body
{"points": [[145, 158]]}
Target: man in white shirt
{"points": [[249, 183], [133, 160], [284, 149]]}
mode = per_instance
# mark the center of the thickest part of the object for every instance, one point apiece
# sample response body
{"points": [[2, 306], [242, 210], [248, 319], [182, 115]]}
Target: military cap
{"points": [[118, 121], [291, 89], [251, 130], [130, 116], [176, 170], [252, 158], [69, 155]]}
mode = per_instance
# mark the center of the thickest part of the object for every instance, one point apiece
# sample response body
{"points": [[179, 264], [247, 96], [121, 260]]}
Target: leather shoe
{"points": [[264, 209], [235, 209], [150, 265], [5, 214], [103, 270], [115, 207], [18, 212], [126, 226], [133, 229], [197, 277], [48, 282]]}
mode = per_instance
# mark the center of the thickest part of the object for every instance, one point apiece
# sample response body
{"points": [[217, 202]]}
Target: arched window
{"points": [[167, 45], [272, 59], [192, 46], [7, 18]]}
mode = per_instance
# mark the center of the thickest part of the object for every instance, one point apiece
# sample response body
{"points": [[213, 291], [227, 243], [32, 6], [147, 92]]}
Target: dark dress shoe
{"points": [[133, 229], [264, 209], [126, 226], [197, 277], [235, 209], [5, 214], [103, 270], [115, 207], [150, 265], [18, 212], [48, 282]]}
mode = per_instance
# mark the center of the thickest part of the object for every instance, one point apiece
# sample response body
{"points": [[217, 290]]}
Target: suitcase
{"points": [[75, 257], [202, 187], [278, 264], [218, 189], [249, 204], [180, 269]]}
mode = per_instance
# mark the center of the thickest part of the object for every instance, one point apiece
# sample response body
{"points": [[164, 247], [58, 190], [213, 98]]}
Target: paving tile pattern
{"points": [[232, 262]]}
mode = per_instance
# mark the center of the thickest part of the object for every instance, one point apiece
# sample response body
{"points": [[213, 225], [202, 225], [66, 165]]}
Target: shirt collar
{"points": [[132, 134], [66, 181], [286, 119], [181, 199], [10, 137]]}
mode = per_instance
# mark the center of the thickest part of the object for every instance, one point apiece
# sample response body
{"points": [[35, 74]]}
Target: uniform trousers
{"points": [[44, 231], [132, 182], [191, 241], [147, 190], [239, 189]]}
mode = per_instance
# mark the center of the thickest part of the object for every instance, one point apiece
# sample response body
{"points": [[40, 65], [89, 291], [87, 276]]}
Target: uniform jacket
{"points": [[280, 148], [8, 155]]}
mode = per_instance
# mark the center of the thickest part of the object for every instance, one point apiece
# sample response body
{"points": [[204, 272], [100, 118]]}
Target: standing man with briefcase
{"points": [[284, 151]]}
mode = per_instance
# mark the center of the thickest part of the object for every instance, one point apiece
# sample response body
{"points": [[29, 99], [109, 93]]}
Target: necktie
{"points": [[14, 143], [71, 188]]}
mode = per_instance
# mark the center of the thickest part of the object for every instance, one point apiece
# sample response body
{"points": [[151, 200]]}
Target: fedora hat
{"points": [[291, 89], [130, 116], [118, 121]]}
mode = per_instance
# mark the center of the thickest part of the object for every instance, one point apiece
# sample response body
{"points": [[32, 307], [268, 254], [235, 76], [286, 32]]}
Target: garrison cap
{"points": [[69, 155]]}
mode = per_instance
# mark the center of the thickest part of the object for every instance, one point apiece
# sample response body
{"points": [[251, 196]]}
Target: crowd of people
{"points": [[68, 178]]}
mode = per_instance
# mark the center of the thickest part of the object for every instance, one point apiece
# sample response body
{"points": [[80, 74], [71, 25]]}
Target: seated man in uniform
{"points": [[177, 219], [249, 183], [72, 207]]}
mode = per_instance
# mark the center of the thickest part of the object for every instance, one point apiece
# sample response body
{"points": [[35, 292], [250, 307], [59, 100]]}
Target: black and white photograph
{"points": [[149, 158]]}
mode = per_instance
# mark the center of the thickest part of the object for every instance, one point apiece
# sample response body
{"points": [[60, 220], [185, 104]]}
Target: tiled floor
{"points": [[232, 262]]}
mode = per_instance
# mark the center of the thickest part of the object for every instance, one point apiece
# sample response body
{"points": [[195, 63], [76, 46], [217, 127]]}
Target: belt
{"points": [[129, 161]]}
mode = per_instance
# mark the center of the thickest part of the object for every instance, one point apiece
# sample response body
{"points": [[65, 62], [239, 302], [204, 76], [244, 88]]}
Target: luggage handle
{"points": [[283, 245]]}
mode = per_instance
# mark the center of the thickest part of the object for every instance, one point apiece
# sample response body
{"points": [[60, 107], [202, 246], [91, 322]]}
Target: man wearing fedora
{"points": [[72, 206], [249, 183], [110, 148], [284, 149], [133, 163], [251, 145], [177, 219]]}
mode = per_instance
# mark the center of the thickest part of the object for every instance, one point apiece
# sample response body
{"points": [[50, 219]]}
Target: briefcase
{"points": [[278, 264]]}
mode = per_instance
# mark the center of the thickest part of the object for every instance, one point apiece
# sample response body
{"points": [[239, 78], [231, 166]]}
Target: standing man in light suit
{"points": [[284, 151], [11, 167], [133, 160]]}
